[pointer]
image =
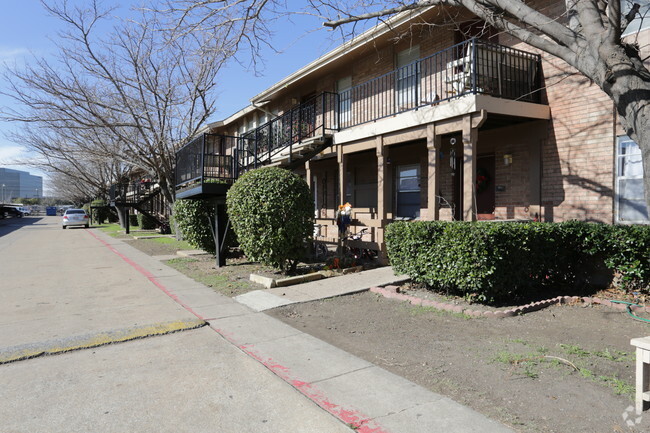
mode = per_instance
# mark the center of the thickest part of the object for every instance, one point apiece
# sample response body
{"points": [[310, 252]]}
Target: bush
{"points": [[271, 210], [146, 222], [101, 211], [193, 218], [133, 220], [494, 261]]}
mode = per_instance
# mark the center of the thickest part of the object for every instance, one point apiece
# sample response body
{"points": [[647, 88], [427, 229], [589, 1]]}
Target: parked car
{"points": [[11, 211], [75, 217], [25, 210]]}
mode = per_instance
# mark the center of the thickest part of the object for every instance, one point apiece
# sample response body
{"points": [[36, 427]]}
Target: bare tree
{"points": [[86, 157], [239, 30], [129, 95], [587, 35]]}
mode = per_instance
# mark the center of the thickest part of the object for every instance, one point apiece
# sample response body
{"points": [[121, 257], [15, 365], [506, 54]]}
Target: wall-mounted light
{"points": [[507, 159]]}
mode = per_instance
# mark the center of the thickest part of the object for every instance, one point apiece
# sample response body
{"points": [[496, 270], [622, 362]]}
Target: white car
{"points": [[75, 217]]}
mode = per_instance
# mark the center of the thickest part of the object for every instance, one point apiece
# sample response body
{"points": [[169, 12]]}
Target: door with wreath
{"points": [[485, 191]]}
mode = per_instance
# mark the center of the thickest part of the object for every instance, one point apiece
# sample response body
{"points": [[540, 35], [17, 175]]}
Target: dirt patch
{"points": [[562, 369], [154, 247]]}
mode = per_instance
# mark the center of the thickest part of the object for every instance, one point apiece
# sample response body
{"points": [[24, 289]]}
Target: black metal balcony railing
{"points": [[315, 117], [472, 67], [212, 158], [206, 159], [130, 193]]}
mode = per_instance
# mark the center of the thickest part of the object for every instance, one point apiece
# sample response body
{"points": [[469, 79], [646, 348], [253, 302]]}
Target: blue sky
{"points": [[27, 29]]}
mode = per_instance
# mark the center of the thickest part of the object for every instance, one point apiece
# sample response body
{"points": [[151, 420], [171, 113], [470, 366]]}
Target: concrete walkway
{"points": [[260, 300], [191, 381]]}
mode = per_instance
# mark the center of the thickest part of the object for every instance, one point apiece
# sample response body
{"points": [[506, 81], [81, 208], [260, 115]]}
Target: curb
{"points": [[391, 292], [21, 353]]}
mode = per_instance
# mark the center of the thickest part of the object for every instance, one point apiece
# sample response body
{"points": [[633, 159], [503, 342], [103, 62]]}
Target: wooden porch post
{"points": [[382, 178], [343, 176], [308, 173], [383, 188], [434, 143], [342, 160], [470, 138], [310, 184]]}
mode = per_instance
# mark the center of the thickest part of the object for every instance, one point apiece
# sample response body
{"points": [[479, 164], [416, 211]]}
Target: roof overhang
{"points": [[346, 49]]}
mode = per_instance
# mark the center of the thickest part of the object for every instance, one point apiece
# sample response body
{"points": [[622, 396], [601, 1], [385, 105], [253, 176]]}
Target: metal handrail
{"points": [[314, 117], [471, 67]]}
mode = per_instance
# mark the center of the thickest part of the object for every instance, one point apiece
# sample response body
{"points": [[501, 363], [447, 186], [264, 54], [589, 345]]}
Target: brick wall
{"points": [[578, 150]]}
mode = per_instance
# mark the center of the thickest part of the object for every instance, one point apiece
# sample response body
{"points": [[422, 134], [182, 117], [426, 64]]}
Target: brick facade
{"points": [[553, 169]]}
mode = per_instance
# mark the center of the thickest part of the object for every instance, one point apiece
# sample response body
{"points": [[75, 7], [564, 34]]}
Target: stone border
{"points": [[392, 292]]}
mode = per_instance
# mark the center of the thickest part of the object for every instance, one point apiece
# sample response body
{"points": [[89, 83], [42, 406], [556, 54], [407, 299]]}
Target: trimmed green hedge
{"points": [[146, 222], [272, 213], [490, 261], [193, 219], [133, 220], [99, 214]]}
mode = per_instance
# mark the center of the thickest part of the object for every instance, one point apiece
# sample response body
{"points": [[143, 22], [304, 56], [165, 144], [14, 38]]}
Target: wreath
{"points": [[482, 180]]}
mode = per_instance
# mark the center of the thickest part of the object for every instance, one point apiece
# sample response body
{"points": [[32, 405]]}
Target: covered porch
{"points": [[484, 164]]}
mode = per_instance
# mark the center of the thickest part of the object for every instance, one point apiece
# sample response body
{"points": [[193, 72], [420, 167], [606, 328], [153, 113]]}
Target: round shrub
{"points": [[100, 211], [271, 210], [133, 220], [193, 218], [146, 222]]}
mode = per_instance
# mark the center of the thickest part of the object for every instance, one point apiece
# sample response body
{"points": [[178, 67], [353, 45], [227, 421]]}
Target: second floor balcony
{"points": [[470, 68]]}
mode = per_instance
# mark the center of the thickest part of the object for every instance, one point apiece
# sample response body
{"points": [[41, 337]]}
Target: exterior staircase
{"points": [[209, 164], [137, 195]]}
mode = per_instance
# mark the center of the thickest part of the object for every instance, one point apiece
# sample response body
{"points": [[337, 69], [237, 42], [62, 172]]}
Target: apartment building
{"points": [[421, 119]]}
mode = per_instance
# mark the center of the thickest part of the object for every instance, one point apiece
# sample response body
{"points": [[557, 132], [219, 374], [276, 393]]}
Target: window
{"points": [[407, 76], [630, 201], [640, 21], [344, 89], [408, 191], [250, 125]]}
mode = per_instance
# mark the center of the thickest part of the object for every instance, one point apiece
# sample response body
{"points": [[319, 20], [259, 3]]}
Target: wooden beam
{"points": [[470, 139]]}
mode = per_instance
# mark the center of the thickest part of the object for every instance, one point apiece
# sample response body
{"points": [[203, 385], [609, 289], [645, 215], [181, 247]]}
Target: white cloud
{"points": [[11, 155], [10, 152], [12, 53]]}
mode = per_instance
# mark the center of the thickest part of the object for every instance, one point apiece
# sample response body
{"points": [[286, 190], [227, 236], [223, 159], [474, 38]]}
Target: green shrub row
{"points": [[133, 220], [492, 261], [146, 222], [101, 212], [193, 219]]}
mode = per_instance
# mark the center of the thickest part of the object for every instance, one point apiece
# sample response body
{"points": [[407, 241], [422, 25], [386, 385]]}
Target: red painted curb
{"points": [[358, 421]]}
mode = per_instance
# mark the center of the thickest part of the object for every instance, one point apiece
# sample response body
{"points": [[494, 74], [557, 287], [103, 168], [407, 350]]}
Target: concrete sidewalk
{"points": [[355, 391], [260, 300], [203, 379]]}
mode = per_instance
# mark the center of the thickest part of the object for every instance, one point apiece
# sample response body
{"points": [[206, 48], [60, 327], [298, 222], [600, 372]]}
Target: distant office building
{"points": [[19, 184]]}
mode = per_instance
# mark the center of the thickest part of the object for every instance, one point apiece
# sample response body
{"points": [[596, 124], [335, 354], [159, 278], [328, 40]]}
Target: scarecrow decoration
{"points": [[344, 217]]}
